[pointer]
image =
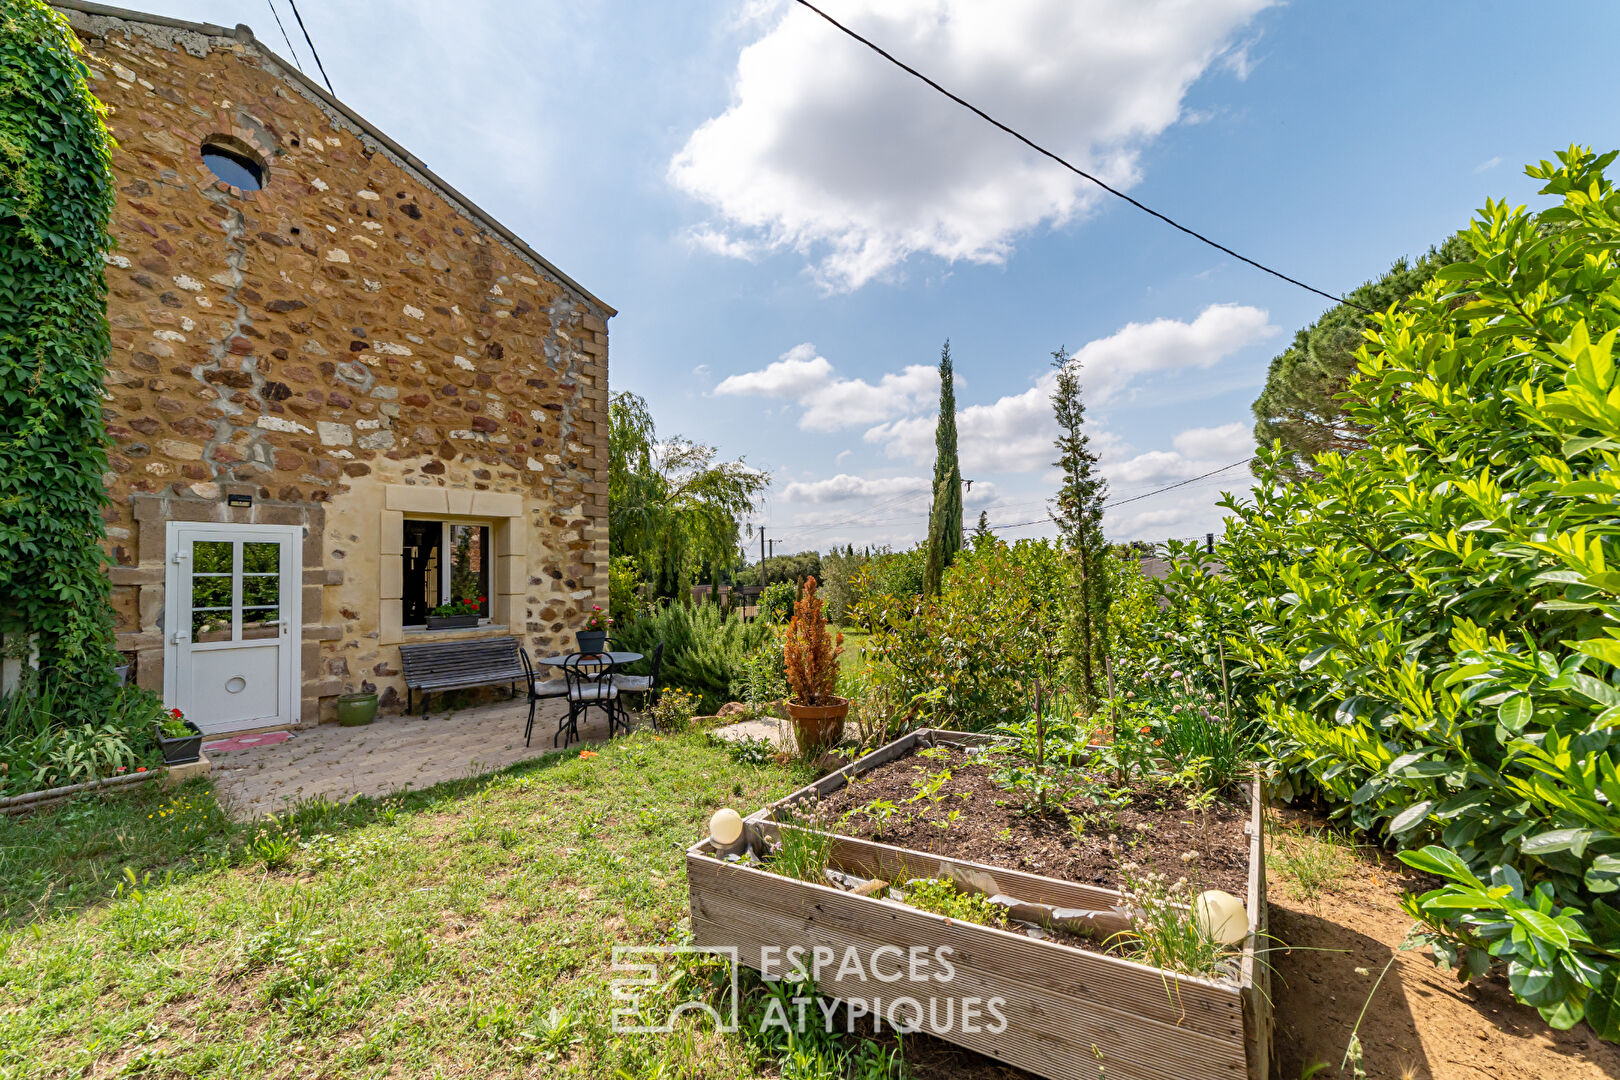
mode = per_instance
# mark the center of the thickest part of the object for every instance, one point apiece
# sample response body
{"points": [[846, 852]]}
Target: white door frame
{"points": [[177, 605]]}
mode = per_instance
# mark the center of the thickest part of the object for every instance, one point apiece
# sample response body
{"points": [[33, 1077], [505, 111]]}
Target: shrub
{"points": [[1434, 621], [674, 709], [706, 648], [894, 574], [44, 743], [776, 602], [837, 571], [974, 650], [624, 590]]}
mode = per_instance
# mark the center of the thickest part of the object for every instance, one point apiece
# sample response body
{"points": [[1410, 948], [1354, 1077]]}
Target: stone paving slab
{"points": [[390, 754]]}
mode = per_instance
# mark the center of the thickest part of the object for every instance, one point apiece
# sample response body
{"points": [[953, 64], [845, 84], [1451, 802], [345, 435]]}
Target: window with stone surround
{"points": [[499, 534], [444, 561]]}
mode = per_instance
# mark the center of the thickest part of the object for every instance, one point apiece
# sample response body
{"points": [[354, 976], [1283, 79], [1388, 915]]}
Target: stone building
{"points": [[340, 394]]}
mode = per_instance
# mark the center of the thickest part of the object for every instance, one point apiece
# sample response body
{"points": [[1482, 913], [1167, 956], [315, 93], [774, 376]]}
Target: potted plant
{"points": [[810, 656], [354, 710], [178, 738], [593, 639], [455, 614]]}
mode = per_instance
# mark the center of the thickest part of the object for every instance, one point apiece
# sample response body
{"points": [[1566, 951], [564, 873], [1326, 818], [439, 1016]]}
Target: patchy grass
{"points": [[1313, 860], [464, 930], [853, 658]]}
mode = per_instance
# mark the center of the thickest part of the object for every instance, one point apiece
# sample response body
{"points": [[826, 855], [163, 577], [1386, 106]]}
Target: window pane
{"points": [[211, 624], [261, 622], [422, 570], [469, 565], [261, 589], [209, 592], [211, 557], [261, 557]]}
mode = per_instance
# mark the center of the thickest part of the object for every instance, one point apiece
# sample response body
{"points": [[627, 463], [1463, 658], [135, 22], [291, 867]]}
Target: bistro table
{"points": [[610, 662]]}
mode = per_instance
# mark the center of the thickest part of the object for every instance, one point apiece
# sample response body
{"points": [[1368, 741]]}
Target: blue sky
{"points": [[786, 225]]}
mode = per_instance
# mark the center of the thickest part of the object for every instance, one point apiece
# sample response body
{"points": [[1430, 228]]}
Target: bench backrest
{"points": [[484, 656]]}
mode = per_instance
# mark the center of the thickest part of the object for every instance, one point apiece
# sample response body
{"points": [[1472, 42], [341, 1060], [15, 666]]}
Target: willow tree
{"points": [[671, 506], [945, 515]]}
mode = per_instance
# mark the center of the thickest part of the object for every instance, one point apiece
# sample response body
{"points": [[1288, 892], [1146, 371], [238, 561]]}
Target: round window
{"points": [[232, 166]]}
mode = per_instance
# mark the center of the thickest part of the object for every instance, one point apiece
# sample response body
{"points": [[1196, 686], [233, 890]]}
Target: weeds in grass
{"points": [[1313, 861], [272, 846], [801, 849]]}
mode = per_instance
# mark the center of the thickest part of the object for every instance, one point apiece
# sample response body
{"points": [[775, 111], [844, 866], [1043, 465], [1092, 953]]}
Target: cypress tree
{"points": [[1078, 514], [945, 516]]}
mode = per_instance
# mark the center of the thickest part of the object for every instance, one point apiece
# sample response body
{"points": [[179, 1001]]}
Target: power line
{"points": [[1039, 149], [290, 50], [1183, 483], [311, 43], [1136, 498]]}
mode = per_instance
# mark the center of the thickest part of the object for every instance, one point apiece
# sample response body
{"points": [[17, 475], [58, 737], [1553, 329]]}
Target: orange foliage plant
{"points": [[810, 652]]}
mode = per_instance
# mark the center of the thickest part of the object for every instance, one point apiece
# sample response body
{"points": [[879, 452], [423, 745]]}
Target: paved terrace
{"points": [[387, 755]]}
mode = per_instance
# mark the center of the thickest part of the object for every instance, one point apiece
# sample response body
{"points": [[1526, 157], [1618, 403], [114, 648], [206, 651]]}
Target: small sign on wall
{"points": [[239, 500]]}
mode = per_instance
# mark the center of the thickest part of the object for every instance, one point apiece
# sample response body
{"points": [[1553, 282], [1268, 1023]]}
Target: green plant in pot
{"points": [[178, 738], [810, 656]]}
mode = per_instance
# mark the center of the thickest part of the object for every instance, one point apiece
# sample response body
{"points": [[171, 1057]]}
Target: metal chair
{"points": [[644, 685], [590, 683], [538, 689]]}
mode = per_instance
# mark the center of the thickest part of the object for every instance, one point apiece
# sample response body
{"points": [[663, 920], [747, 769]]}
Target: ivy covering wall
{"points": [[56, 196]]}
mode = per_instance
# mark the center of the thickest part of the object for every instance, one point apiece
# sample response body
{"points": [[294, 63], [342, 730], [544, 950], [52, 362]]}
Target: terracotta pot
{"points": [[818, 725]]}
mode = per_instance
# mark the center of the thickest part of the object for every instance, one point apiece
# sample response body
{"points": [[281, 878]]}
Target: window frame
{"points": [[486, 617]]}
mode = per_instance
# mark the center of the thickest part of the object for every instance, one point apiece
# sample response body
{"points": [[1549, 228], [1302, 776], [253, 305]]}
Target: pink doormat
{"points": [[243, 742]]}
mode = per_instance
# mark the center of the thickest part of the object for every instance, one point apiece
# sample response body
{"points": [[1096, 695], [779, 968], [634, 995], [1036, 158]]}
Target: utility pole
{"points": [[961, 539], [762, 556]]}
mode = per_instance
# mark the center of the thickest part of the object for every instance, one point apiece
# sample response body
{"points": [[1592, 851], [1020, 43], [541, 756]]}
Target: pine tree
{"points": [[981, 531], [945, 516], [1078, 513]]}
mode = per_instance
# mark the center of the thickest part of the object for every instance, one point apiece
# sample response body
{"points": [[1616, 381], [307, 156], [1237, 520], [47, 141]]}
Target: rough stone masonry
{"points": [[348, 345]]}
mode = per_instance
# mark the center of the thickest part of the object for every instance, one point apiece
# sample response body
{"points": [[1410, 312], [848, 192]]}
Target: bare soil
{"points": [[973, 818], [1420, 1023]]}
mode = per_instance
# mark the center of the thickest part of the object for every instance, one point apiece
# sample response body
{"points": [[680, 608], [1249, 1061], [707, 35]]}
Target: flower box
{"points": [[181, 749], [1069, 1013], [452, 622]]}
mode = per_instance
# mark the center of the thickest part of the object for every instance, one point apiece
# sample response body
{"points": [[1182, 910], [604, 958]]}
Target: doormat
{"points": [[243, 742]]}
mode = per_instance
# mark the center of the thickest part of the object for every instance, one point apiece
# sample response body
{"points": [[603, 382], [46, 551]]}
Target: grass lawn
{"points": [[853, 658], [464, 930]]}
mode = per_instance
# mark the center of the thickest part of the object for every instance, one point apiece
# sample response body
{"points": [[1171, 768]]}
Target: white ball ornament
{"points": [[1220, 917], [725, 827]]}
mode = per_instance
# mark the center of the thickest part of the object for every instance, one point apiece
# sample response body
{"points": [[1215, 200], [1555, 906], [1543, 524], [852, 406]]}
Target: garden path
{"points": [[391, 753]]}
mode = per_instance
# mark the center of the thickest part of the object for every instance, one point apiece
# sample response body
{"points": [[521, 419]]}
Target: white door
{"points": [[231, 620]]}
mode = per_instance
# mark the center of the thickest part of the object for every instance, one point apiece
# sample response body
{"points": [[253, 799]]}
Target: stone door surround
{"points": [[509, 536], [147, 577]]}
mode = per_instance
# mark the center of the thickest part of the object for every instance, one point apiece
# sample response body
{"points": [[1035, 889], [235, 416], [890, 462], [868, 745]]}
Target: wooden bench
{"points": [[459, 665]]}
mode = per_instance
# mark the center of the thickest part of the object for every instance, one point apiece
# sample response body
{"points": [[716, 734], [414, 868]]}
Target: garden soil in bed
{"points": [[1155, 829]]}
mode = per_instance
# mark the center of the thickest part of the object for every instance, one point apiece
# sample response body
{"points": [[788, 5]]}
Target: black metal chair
{"points": [[644, 685], [590, 683], [538, 690]]}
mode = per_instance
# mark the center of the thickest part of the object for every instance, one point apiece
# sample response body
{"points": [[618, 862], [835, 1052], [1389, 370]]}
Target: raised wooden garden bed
{"points": [[1069, 1013]]}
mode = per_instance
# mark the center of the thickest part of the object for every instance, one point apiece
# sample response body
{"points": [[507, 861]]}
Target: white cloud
{"points": [[830, 402], [1015, 433], [1488, 164], [1227, 442], [1110, 364], [1197, 451], [844, 487], [829, 151]]}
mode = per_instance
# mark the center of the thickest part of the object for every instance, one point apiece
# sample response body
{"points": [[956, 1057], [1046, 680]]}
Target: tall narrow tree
{"points": [[1078, 513], [945, 516]]}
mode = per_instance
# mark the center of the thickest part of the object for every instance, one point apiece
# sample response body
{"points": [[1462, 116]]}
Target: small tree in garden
{"points": [[1079, 517], [945, 516], [810, 652]]}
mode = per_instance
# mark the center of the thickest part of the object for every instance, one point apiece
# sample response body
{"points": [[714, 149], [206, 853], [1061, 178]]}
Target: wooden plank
{"points": [[1064, 1007], [788, 904], [1258, 1020], [870, 859]]}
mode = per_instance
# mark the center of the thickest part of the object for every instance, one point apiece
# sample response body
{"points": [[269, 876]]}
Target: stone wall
{"points": [[351, 330]]}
